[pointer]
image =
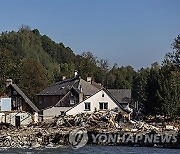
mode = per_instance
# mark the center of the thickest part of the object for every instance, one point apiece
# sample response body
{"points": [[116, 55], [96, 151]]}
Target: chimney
{"points": [[81, 95], [64, 77], [75, 73], [89, 80], [8, 82]]}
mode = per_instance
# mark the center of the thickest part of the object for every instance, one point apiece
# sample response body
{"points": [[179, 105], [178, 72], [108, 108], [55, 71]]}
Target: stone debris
{"points": [[55, 132]]}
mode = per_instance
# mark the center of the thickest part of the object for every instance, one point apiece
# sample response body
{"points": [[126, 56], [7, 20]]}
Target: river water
{"points": [[94, 150]]}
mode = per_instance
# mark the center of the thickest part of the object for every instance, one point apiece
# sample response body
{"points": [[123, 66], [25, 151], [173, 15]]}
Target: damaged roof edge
{"points": [[26, 99]]}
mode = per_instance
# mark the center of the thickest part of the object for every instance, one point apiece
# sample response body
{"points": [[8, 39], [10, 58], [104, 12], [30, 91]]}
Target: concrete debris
{"points": [[55, 132], [169, 127]]}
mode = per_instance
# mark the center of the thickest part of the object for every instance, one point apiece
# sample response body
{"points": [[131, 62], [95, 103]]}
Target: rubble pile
{"points": [[98, 120], [56, 132], [107, 121], [33, 137]]}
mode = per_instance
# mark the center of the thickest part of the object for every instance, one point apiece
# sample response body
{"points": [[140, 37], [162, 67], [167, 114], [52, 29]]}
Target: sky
{"points": [[126, 32]]}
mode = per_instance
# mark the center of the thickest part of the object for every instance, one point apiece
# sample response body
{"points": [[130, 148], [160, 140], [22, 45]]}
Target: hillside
{"points": [[28, 53], [35, 61]]}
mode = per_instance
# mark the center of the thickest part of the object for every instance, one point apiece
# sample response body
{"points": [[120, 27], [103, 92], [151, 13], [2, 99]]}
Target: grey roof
{"points": [[26, 99], [121, 95], [115, 100], [97, 85], [87, 88], [62, 87], [59, 88]]}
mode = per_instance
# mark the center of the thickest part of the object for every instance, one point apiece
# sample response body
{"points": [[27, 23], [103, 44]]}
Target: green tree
{"points": [[139, 87], [86, 64], [100, 75], [169, 92], [7, 68], [152, 105], [120, 77], [33, 77], [174, 57]]}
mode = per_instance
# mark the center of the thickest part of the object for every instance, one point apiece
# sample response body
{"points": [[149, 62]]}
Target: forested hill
{"points": [[28, 57], [35, 61]]}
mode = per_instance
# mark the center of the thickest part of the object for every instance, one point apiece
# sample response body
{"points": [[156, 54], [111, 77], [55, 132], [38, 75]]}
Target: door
{"points": [[17, 121]]}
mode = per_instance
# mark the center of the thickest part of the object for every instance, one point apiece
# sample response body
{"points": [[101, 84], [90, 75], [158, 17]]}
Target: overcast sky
{"points": [[126, 32]]}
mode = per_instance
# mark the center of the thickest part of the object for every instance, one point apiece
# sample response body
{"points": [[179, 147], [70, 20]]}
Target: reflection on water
{"points": [[93, 150]]}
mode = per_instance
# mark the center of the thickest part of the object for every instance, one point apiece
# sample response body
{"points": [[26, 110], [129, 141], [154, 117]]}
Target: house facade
{"points": [[59, 97], [100, 101], [67, 93], [16, 108]]}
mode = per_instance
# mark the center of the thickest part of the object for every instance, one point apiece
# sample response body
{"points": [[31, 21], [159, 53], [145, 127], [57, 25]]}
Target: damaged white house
{"points": [[100, 101]]}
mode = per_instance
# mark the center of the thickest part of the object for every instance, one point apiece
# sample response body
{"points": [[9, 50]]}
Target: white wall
{"points": [[36, 117], [25, 118], [94, 101]]}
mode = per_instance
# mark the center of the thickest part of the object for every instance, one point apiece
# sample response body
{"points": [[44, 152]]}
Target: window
{"points": [[103, 105], [16, 103], [87, 106], [72, 101], [14, 92], [44, 100], [102, 95]]}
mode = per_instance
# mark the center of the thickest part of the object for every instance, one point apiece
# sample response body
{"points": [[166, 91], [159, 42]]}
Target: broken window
{"points": [[16, 103], [103, 105], [87, 106]]}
